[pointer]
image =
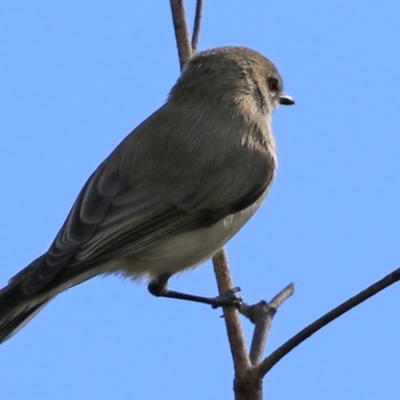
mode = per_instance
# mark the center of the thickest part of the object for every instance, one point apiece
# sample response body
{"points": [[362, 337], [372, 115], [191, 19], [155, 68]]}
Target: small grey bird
{"points": [[172, 193]]}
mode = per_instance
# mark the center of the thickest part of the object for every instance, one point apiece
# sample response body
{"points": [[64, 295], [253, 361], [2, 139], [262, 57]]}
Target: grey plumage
{"points": [[173, 192]]}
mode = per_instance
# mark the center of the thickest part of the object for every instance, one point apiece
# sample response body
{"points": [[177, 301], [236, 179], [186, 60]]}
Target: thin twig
{"points": [[282, 296], [232, 320], [262, 314], [197, 23], [181, 31], [283, 350]]}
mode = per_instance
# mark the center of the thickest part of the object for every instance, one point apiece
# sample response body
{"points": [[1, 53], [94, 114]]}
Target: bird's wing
{"points": [[156, 183]]}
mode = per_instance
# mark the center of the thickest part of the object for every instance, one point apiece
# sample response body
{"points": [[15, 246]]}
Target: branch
{"points": [[283, 350], [237, 342], [261, 315], [196, 27], [181, 31]]}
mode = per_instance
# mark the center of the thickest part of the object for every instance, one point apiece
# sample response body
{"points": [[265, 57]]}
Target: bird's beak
{"points": [[286, 100]]}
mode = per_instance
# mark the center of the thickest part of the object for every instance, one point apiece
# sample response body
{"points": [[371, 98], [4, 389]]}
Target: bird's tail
{"points": [[17, 309]]}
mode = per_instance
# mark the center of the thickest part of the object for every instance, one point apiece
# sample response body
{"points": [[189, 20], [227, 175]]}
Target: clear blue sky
{"points": [[76, 77]]}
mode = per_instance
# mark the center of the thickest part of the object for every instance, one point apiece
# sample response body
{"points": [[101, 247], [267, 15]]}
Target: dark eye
{"points": [[273, 85]]}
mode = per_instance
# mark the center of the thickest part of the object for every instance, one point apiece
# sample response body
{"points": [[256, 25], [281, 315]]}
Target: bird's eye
{"points": [[273, 85]]}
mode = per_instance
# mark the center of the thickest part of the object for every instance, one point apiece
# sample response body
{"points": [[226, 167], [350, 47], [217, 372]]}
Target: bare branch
{"points": [[283, 350], [233, 325], [181, 31], [196, 27], [248, 386], [282, 296], [262, 314]]}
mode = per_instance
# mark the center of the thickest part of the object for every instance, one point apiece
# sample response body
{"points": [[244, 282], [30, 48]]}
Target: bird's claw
{"points": [[229, 299]]}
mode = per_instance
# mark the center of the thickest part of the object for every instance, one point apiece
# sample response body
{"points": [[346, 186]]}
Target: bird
{"points": [[172, 193]]}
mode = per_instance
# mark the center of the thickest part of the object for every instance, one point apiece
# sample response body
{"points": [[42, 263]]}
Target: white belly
{"points": [[188, 250]]}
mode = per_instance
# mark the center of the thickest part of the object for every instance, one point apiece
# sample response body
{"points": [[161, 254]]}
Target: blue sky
{"points": [[76, 77]]}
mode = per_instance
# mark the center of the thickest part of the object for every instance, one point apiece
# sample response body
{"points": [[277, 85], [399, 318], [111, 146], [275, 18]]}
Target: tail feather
{"points": [[16, 310], [17, 307]]}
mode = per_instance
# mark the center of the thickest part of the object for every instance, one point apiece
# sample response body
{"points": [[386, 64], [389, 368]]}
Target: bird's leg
{"points": [[159, 288]]}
